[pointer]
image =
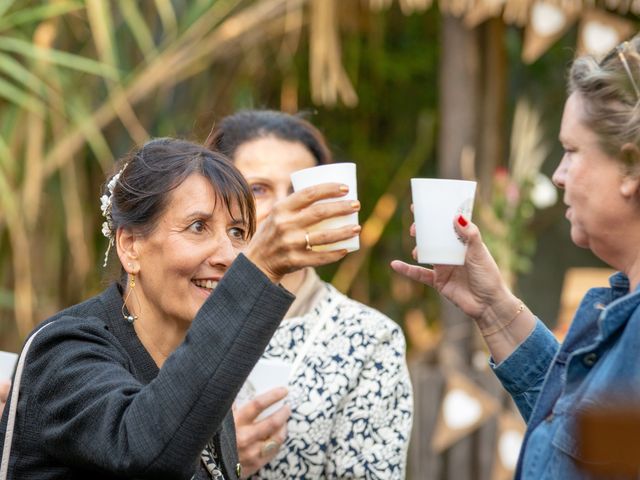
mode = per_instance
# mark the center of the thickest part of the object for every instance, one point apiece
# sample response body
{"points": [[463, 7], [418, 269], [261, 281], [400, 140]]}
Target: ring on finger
{"points": [[269, 447], [306, 238]]}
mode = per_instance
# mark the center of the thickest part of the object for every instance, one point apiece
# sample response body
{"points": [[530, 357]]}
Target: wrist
{"points": [[499, 313], [263, 266]]}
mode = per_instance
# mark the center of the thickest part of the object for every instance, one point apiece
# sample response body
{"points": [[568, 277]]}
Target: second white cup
{"points": [[335, 172], [436, 205]]}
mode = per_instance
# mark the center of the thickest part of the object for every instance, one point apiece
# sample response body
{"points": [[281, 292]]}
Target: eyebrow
{"points": [[259, 179], [199, 214]]}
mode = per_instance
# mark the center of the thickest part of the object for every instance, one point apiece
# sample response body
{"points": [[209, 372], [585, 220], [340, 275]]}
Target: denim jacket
{"points": [[550, 383]]}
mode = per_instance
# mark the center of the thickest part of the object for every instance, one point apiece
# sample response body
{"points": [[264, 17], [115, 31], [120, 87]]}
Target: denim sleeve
{"points": [[523, 372]]}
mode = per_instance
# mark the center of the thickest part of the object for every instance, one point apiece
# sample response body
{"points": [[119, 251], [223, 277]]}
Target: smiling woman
{"points": [[350, 404], [138, 382]]}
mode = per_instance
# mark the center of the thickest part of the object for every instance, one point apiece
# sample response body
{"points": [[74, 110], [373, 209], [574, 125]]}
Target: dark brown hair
{"points": [[149, 175], [247, 125]]}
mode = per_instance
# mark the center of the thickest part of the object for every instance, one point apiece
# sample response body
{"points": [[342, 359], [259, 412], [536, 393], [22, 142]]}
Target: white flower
{"points": [[106, 231], [105, 201], [112, 183], [544, 193]]}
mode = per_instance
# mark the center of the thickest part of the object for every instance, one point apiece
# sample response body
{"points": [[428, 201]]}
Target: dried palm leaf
{"points": [[329, 80]]}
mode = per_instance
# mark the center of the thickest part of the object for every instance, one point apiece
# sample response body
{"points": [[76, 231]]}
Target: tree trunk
{"points": [[460, 115]]}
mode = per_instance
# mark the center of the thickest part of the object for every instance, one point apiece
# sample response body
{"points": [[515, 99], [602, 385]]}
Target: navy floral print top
{"points": [[351, 396]]}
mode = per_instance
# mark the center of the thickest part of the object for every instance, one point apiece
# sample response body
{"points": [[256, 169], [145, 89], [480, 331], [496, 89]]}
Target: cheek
{"points": [[263, 208]]}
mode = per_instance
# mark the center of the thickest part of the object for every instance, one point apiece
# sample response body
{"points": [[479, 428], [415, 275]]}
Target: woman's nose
{"points": [[224, 253], [560, 173]]}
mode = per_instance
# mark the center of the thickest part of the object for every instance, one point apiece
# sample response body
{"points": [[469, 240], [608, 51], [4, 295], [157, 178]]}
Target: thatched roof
{"points": [[513, 11]]}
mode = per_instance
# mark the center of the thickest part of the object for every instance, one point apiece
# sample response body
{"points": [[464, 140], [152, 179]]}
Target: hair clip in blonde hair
{"points": [[623, 59]]}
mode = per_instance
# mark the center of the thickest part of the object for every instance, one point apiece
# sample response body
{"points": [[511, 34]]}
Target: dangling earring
{"points": [[132, 284]]}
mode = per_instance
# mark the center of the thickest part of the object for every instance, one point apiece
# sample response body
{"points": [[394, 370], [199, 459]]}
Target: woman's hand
{"points": [[5, 386], [280, 244], [474, 287], [259, 441]]}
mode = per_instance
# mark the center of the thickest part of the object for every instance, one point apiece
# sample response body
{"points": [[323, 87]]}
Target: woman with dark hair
{"points": [[350, 405], [596, 367], [138, 382]]}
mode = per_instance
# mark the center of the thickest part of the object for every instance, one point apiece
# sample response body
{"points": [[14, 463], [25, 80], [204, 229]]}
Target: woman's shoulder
{"points": [[90, 317]]}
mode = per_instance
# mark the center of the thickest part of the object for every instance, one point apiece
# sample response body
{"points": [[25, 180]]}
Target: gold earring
{"points": [[132, 284]]}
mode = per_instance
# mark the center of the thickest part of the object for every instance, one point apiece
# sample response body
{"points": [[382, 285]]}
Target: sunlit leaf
{"points": [[20, 98], [69, 60], [102, 29], [5, 5], [14, 69], [138, 26], [94, 135], [167, 17], [38, 14], [7, 159]]}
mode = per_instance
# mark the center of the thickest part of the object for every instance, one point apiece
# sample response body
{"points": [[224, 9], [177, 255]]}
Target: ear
{"points": [[630, 185], [127, 246]]}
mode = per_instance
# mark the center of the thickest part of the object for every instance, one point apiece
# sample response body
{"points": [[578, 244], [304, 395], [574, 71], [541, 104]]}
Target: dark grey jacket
{"points": [[93, 404]]}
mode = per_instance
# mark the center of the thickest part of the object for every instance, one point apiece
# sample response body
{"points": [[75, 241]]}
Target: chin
{"points": [[579, 239]]}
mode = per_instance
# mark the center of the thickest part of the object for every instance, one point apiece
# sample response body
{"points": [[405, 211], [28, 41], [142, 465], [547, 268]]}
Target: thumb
{"points": [[462, 226]]}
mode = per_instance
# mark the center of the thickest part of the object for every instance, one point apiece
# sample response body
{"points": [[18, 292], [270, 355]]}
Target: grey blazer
{"points": [[93, 403]]}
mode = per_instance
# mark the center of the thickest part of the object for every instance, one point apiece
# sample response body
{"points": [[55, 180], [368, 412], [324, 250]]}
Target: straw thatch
{"points": [[512, 11]]}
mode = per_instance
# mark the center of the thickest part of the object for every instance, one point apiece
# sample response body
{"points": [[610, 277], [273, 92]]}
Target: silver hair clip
{"points": [[620, 49]]}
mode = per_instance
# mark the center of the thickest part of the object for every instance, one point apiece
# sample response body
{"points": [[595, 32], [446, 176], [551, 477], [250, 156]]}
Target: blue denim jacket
{"points": [[551, 383]]}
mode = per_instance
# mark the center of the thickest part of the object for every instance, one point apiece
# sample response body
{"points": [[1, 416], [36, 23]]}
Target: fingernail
{"points": [[462, 222], [344, 188], [355, 205], [357, 229]]}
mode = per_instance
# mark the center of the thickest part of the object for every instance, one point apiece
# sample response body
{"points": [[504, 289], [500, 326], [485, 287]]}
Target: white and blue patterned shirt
{"points": [[351, 397]]}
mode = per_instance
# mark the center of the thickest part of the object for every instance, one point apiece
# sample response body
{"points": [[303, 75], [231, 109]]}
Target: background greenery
{"points": [[81, 82]]}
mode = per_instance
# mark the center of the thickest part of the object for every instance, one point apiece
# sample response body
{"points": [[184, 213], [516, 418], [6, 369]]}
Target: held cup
{"points": [[336, 172], [8, 362], [436, 205], [266, 375]]}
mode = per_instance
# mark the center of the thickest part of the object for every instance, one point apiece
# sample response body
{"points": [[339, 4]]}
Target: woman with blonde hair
{"points": [[596, 366]]}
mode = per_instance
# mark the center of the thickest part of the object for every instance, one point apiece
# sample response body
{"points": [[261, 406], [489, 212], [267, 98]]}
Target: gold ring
{"points": [[306, 237], [269, 447]]}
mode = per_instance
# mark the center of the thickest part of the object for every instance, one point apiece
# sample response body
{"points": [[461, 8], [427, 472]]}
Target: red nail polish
{"points": [[462, 221]]}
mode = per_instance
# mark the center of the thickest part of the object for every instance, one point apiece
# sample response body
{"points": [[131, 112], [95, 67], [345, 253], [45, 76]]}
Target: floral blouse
{"points": [[350, 396]]}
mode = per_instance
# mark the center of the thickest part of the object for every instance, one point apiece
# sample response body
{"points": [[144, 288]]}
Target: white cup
{"points": [[7, 364], [335, 172], [436, 205], [266, 375]]}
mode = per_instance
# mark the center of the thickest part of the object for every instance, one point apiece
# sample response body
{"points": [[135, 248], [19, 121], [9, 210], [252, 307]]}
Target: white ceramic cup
{"points": [[437, 203], [7, 364], [266, 375], [335, 172]]}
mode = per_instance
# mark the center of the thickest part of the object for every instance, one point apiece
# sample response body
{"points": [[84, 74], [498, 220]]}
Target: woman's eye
{"points": [[258, 189], [198, 226], [238, 233]]}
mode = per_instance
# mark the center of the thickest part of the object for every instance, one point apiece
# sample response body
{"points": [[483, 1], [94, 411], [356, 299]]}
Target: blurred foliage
{"points": [[83, 81]]}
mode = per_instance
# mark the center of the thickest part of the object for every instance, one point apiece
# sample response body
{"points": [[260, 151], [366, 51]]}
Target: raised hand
{"points": [[280, 244], [473, 287]]}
